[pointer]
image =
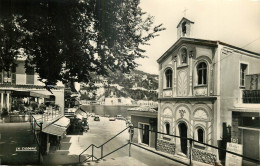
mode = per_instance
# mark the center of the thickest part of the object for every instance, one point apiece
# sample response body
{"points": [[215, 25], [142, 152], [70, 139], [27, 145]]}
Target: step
{"points": [[126, 161]]}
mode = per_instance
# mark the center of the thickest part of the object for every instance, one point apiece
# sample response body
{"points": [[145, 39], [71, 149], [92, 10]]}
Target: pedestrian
{"points": [[131, 131]]}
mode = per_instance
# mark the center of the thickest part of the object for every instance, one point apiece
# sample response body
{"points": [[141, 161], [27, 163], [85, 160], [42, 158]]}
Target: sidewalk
{"points": [[183, 160], [99, 133]]}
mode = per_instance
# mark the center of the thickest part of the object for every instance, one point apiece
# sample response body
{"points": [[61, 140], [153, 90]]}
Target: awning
{"points": [[41, 95], [57, 128], [63, 122], [256, 110], [21, 93]]}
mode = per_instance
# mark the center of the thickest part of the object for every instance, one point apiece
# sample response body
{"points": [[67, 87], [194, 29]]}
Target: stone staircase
{"points": [[126, 161]]}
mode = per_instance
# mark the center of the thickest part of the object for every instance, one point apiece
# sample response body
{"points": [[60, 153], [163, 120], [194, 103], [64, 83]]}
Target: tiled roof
{"points": [[144, 109]]}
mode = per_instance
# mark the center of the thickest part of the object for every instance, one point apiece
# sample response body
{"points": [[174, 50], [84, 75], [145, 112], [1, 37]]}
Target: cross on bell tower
{"points": [[184, 12]]}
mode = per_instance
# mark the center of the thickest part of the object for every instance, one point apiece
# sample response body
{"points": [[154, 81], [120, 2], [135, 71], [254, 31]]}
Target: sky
{"points": [[236, 22]]}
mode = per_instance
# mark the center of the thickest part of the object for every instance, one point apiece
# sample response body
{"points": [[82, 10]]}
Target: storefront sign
{"points": [[234, 160]]}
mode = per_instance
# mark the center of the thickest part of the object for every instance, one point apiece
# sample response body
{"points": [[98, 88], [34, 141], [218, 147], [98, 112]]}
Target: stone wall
{"points": [[203, 156], [166, 146]]}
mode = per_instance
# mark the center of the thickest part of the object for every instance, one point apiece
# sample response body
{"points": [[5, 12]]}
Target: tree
{"points": [[70, 39]]}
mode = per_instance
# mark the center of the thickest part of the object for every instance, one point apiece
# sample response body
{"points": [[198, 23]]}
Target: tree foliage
{"points": [[70, 39]]}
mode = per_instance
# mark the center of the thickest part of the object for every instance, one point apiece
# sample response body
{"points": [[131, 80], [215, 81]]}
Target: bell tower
{"points": [[184, 28]]}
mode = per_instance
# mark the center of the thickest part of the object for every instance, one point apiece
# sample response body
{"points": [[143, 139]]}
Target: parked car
{"points": [[120, 117], [96, 118], [112, 119]]}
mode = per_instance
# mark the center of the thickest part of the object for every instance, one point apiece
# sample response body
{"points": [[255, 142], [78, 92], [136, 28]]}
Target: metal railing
{"points": [[191, 142], [102, 148], [251, 96], [38, 140], [131, 133]]}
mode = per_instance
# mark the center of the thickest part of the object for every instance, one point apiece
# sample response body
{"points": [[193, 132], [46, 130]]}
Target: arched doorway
{"points": [[183, 133]]}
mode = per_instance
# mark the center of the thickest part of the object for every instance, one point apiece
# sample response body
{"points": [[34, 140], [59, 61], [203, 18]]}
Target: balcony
{"points": [[251, 93], [251, 96]]}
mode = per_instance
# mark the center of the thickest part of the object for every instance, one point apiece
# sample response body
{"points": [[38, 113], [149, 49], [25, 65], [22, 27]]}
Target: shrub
{"points": [[56, 106], [21, 108], [4, 112], [34, 105], [42, 108]]}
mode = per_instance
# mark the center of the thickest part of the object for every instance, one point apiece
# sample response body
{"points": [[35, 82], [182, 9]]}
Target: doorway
{"points": [[183, 133], [145, 133], [251, 143]]}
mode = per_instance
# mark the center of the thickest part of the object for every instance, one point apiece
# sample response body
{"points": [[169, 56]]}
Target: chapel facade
{"points": [[201, 88]]}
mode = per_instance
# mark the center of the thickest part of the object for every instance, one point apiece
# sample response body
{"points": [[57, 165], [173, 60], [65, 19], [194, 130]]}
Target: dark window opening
{"points": [[167, 127], [243, 72], [168, 75], [184, 29], [184, 55], [202, 73], [200, 135]]}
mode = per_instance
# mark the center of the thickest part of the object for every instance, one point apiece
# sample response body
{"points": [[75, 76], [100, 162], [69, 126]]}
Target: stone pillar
{"points": [[191, 67], [2, 101], [7, 102], [175, 78]]}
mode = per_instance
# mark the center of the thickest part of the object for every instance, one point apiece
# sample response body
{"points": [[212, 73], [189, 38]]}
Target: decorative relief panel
{"points": [[167, 93], [201, 114], [182, 113], [201, 91], [182, 83], [167, 112]]}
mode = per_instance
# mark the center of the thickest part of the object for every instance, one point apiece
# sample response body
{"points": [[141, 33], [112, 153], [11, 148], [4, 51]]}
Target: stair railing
{"points": [[102, 148]]}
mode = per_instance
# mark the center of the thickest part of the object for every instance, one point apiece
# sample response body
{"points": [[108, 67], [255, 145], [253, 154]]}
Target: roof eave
{"points": [[188, 40]]}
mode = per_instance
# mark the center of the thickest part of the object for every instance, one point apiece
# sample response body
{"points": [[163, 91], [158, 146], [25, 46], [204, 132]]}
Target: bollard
{"points": [[102, 151], [92, 152]]}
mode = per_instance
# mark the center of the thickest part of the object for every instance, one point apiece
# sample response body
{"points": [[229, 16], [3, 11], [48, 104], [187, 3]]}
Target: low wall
{"points": [[203, 156], [166, 146], [16, 118]]}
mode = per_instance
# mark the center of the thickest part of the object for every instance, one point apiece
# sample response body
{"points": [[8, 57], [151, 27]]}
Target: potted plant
{"points": [[42, 108], [33, 107], [21, 109], [4, 112]]}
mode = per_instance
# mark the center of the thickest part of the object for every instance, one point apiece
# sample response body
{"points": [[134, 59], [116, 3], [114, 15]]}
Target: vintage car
{"points": [[112, 119], [96, 118], [120, 117]]}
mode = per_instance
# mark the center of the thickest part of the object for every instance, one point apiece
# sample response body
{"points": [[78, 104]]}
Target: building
{"points": [[21, 86], [202, 87], [118, 101], [145, 119]]}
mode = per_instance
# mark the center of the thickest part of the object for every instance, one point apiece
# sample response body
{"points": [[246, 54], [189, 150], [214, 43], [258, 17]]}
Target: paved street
{"points": [[101, 131]]}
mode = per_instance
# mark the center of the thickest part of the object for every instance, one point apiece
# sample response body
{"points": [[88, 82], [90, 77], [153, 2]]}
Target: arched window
{"points": [[184, 56], [202, 73], [168, 75], [200, 135], [167, 128], [183, 27]]}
